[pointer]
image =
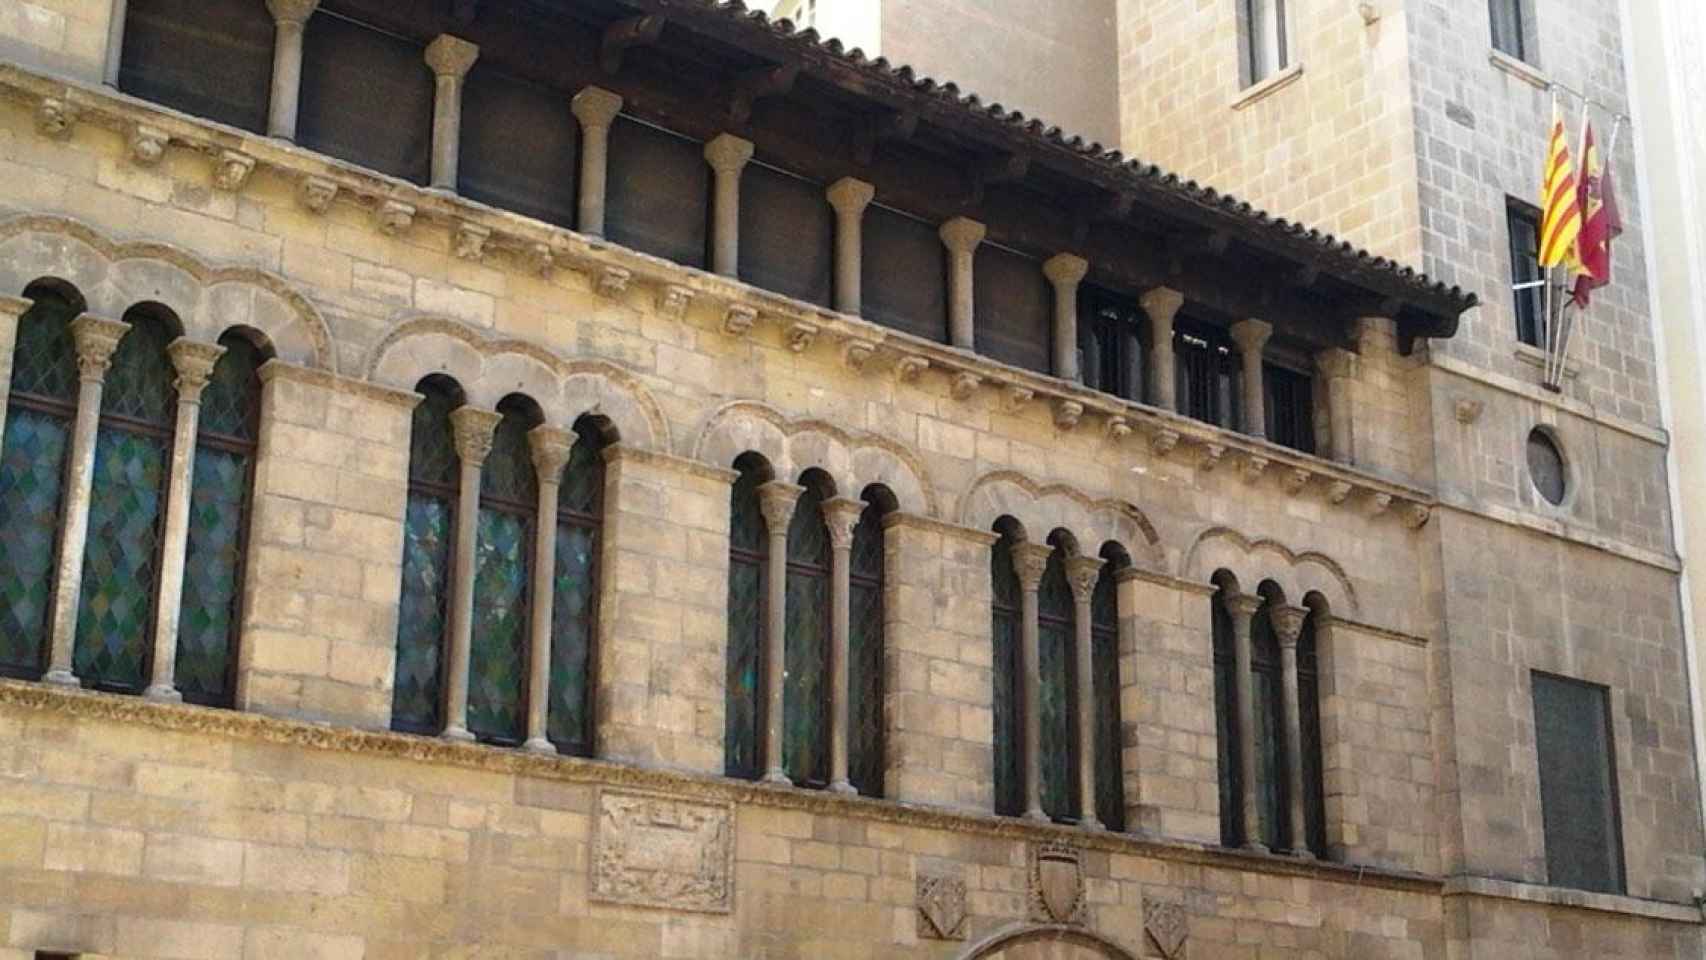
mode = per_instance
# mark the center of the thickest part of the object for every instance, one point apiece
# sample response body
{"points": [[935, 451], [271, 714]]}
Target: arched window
{"points": [[1105, 666], [1005, 611], [121, 562], [1268, 705], [1309, 713], [417, 699], [805, 684], [503, 561], [40, 410], [1228, 752], [748, 551], [574, 608], [1058, 709], [218, 524], [865, 648]]}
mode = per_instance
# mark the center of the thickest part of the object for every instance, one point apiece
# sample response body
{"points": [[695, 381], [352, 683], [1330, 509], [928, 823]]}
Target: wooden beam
{"points": [[998, 169], [874, 129], [755, 85], [619, 37]]}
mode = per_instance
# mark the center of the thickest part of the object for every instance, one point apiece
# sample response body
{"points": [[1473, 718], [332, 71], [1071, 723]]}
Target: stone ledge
{"points": [[1522, 70], [1563, 531], [1268, 87], [276, 369], [1463, 885], [1536, 357], [118, 708], [1529, 391]]}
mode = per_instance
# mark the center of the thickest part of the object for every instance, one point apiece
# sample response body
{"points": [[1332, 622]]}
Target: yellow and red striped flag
{"points": [[1561, 212]]}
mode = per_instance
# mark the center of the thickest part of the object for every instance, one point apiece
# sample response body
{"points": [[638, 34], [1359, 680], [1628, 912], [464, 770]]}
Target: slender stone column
{"points": [[1082, 573], [1251, 336], [551, 447], [1162, 305], [728, 155], [96, 339], [841, 515], [596, 109], [776, 499], [450, 59], [473, 429], [961, 236], [849, 197], [290, 19], [1029, 562], [194, 362], [1065, 271], [115, 41], [1288, 625], [1243, 607], [1339, 369]]}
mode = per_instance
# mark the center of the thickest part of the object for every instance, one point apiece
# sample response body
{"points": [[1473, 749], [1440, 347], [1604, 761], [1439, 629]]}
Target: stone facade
{"points": [[298, 825]]}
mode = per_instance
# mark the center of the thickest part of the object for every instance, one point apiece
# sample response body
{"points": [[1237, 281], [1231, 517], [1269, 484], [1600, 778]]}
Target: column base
{"points": [[61, 678], [1036, 813], [1300, 854], [459, 734], [1092, 824], [778, 776], [843, 787], [540, 745], [163, 693], [1255, 847]]}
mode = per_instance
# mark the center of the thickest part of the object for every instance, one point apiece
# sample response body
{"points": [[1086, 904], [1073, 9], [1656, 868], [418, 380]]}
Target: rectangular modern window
{"points": [[518, 148], [1262, 37], [1110, 342], [904, 274], [1205, 374], [1014, 308], [1578, 784], [210, 58], [1506, 16], [1290, 407], [367, 97], [1522, 224], [659, 192]]}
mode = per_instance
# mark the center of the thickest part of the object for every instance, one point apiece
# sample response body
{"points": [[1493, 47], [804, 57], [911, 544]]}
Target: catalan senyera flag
{"points": [[1601, 222], [1561, 212]]}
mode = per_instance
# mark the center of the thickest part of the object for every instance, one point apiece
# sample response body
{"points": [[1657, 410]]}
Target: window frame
{"points": [[1618, 882], [1114, 339], [1524, 218], [1299, 416], [1254, 17], [1513, 39], [1224, 364]]}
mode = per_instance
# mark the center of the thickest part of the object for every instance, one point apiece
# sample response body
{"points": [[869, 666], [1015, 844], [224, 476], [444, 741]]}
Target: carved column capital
{"points": [[841, 515], [595, 107], [1336, 363], [450, 56], [1243, 606], [1288, 622], [962, 234], [95, 340], [727, 153], [1065, 271], [1030, 560], [193, 360], [850, 196], [550, 447], [471, 428], [1251, 335], [292, 11], [1082, 574], [1161, 304], [776, 501]]}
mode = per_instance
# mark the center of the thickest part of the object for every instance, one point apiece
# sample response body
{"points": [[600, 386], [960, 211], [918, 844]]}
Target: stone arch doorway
{"points": [[1046, 942]]}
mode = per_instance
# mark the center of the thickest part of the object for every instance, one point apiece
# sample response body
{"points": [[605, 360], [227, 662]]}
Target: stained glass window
{"points": [[127, 500], [1058, 710], [1228, 753], [865, 655], [1309, 712], [805, 684], [1272, 786], [428, 528], [39, 414], [503, 553], [1105, 667], [744, 713], [219, 507], [574, 610], [1005, 610]]}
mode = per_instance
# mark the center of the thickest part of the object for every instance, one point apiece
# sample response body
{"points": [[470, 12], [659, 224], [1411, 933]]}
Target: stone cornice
{"points": [[1465, 885], [276, 369], [623, 453], [115, 708], [900, 518], [1546, 526], [1385, 633], [1166, 580], [1535, 394]]}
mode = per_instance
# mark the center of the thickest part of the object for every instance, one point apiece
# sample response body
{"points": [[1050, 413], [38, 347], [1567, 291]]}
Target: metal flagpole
{"points": [[1565, 321]]}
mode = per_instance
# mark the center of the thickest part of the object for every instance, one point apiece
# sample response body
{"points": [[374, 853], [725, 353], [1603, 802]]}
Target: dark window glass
{"points": [[1263, 24], [518, 147], [1229, 750], [1272, 802], [429, 525], [1578, 784], [744, 712], [786, 234], [1004, 583], [210, 58], [1507, 27], [1105, 669], [39, 414], [805, 684], [1014, 308], [1309, 715], [1289, 407], [1206, 374], [1058, 709], [1522, 224], [1110, 342], [367, 97], [503, 554], [1546, 466], [904, 274], [574, 608], [865, 655], [659, 190], [219, 513]]}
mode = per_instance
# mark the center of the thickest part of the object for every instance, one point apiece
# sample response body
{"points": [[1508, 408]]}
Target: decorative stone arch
{"points": [[1253, 561], [854, 461], [490, 369], [1042, 509], [1046, 942], [113, 276]]}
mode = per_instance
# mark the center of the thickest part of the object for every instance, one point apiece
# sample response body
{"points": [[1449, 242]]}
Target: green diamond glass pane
{"points": [[583, 478], [421, 614], [32, 471], [743, 713], [432, 452], [746, 521], [865, 689], [1058, 710], [868, 544], [574, 593], [1226, 724], [1009, 785], [1105, 667], [138, 385], [229, 401], [508, 472], [113, 628], [497, 670], [808, 536], [1271, 814], [44, 359], [805, 691], [1309, 713], [212, 565]]}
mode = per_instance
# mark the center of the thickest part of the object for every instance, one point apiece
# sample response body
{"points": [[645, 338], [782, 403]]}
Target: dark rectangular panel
{"points": [[1013, 308], [904, 279], [1522, 224], [210, 58], [786, 234], [366, 98], [1110, 342], [518, 147], [1289, 406], [659, 192], [1205, 374], [1578, 786]]}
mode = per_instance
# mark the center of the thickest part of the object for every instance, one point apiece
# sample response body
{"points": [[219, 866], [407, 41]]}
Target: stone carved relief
{"points": [[941, 906], [656, 851], [1057, 884], [1167, 925]]}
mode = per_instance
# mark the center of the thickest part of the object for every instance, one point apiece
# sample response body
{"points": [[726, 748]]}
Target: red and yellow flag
{"points": [[1561, 214], [1601, 222]]}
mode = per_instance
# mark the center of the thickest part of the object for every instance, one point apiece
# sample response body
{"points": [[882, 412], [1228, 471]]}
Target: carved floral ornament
{"points": [[651, 850]]}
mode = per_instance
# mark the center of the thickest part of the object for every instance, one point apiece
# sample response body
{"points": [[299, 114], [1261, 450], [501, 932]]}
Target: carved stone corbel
{"points": [[471, 241], [1117, 429], [542, 257], [1415, 515], [317, 193], [1338, 491], [673, 300], [909, 369], [231, 169], [964, 385], [1294, 481], [1067, 413], [738, 319], [1253, 467], [1378, 503], [54, 118], [1014, 398], [801, 335], [1163, 440], [394, 217], [613, 281], [857, 354], [1212, 454], [148, 144]]}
